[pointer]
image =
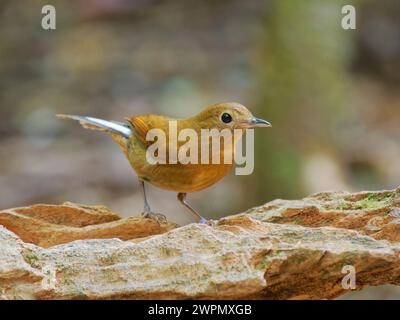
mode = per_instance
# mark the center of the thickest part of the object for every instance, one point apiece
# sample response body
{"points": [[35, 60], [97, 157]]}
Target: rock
{"points": [[371, 213], [49, 225], [281, 250]]}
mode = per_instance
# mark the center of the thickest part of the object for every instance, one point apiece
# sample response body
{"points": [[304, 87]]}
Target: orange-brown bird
{"points": [[179, 177]]}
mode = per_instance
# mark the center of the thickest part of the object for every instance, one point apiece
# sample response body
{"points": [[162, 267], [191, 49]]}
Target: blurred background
{"points": [[332, 95]]}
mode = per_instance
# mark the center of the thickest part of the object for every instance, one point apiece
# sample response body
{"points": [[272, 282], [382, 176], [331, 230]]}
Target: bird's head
{"points": [[230, 115]]}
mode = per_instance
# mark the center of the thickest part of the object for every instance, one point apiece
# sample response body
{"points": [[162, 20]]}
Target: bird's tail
{"points": [[91, 123]]}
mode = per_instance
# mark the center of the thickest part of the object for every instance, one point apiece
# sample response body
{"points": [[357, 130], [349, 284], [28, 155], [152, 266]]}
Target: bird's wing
{"points": [[143, 124]]}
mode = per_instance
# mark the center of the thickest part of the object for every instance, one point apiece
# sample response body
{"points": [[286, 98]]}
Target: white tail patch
{"points": [[100, 124]]}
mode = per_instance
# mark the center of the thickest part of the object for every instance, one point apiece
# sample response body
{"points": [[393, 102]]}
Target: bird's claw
{"points": [[206, 222], [157, 217]]}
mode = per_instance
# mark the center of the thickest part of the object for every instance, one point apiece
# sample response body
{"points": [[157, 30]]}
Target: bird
{"points": [[182, 178]]}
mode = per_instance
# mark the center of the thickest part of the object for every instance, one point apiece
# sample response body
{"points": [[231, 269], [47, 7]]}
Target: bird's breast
{"points": [[186, 178], [175, 177]]}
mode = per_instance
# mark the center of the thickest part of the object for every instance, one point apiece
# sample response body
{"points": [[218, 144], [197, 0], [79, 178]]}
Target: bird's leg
{"points": [[147, 213], [182, 199], [146, 204]]}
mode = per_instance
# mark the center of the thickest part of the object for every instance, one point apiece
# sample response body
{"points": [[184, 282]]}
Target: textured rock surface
{"points": [[49, 225], [281, 250]]}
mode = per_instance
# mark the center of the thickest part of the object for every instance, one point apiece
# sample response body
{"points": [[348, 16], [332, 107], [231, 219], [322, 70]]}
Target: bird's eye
{"points": [[226, 118]]}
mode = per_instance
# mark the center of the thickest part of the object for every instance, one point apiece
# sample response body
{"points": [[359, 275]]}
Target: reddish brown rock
{"points": [[49, 225]]}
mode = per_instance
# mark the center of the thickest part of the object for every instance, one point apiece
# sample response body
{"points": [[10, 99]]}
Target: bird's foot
{"points": [[157, 217], [207, 222]]}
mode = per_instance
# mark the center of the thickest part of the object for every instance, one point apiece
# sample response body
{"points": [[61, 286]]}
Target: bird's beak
{"points": [[259, 123]]}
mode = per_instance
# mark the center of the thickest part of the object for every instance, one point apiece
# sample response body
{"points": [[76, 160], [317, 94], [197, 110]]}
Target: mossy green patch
{"points": [[370, 201], [373, 201], [31, 258], [262, 265]]}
